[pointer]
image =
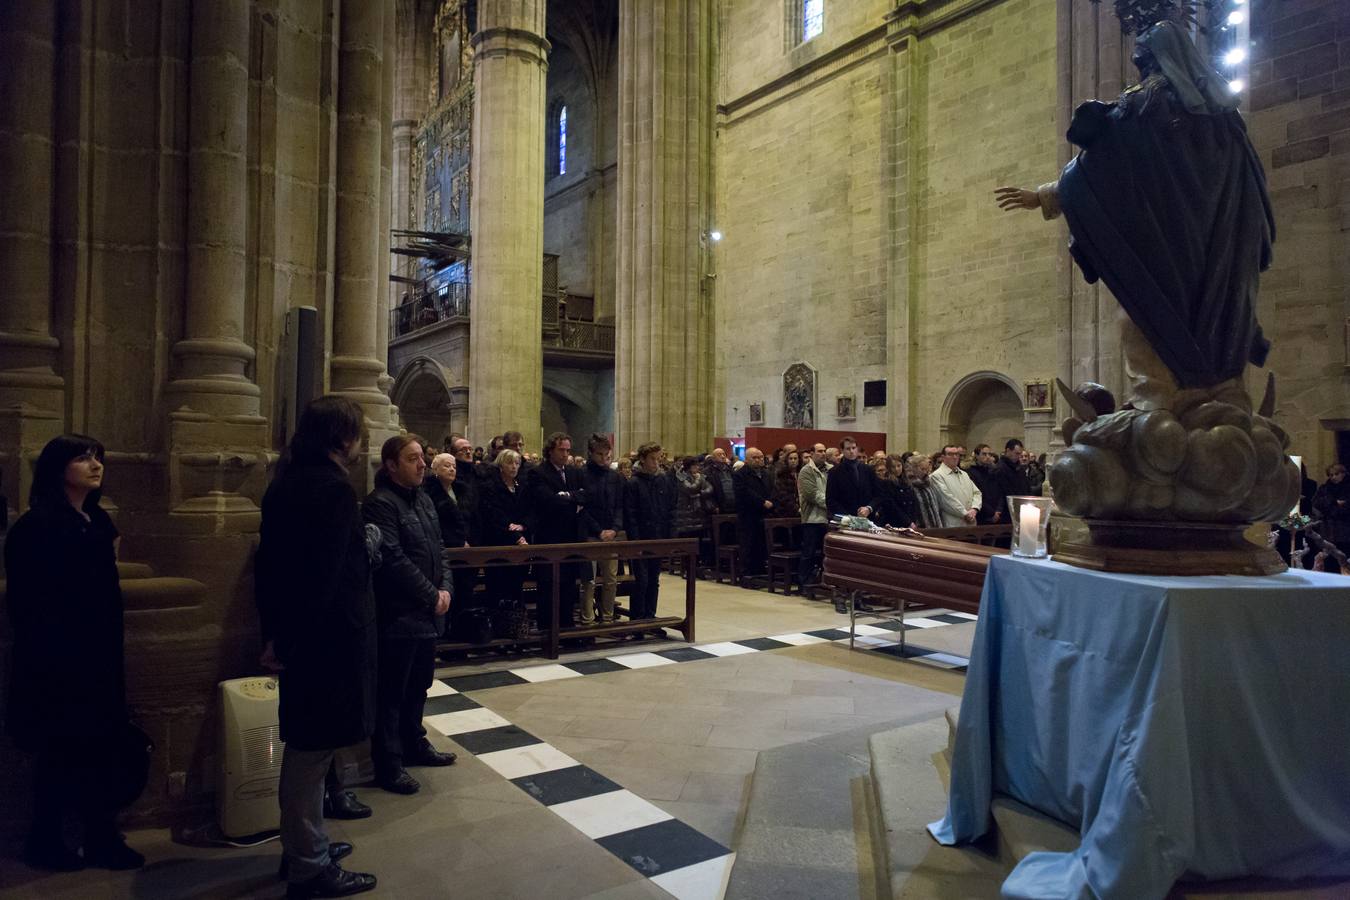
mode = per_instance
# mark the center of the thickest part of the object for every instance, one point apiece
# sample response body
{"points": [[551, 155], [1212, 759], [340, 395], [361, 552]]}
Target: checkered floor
{"points": [[682, 861]]}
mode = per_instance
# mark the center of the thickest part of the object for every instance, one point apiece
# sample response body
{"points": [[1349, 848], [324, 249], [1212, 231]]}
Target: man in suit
{"points": [[753, 491], [556, 495], [850, 487]]}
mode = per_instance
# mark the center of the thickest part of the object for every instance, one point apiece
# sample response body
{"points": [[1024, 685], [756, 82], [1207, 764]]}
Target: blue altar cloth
{"points": [[1196, 726]]}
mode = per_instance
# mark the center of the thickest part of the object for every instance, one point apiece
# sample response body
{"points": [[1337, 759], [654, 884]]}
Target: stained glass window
{"points": [[813, 18], [562, 141]]}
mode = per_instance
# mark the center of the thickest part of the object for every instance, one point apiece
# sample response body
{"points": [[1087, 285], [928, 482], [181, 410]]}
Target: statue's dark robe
{"points": [[1170, 210]]}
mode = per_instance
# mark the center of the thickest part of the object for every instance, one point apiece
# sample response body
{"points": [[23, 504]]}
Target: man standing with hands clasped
{"points": [[412, 592], [958, 498]]}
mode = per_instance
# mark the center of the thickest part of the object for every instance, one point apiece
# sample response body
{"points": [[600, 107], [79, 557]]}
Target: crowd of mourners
{"points": [[353, 595]]}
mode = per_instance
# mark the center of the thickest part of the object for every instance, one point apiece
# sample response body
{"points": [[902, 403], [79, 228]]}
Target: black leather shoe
{"points": [[430, 756], [840, 608], [344, 805], [399, 782], [115, 855], [336, 850], [333, 881]]}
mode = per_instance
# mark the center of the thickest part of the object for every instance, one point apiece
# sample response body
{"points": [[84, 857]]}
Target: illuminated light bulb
{"points": [[715, 235], [1236, 85], [1235, 56], [1235, 17]]}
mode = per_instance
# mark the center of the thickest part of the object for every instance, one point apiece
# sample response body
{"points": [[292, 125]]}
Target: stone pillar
{"points": [[386, 292], [664, 362], [358, 363], [1093, 61], [212, 359], [216, 435], [506, 220], [32, 394]]}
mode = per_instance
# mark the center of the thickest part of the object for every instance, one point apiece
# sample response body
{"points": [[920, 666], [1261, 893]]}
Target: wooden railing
{"points": [[558, 555]]}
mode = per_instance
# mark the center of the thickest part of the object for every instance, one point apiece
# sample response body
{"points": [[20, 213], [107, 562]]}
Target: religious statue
{"points": [[1166, 203]]}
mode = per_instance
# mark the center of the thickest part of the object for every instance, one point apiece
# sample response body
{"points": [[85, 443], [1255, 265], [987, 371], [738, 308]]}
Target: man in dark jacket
{"points": [[719, 474], [314, 598], [981, 472], [601, 520], [754, 487], [556, 495], [1009, 479], [850, 487], [649, 502], [412, 589]]}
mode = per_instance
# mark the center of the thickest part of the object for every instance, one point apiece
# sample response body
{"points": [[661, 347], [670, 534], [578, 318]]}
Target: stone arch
{"points": [[983, 407], [423, 397]]}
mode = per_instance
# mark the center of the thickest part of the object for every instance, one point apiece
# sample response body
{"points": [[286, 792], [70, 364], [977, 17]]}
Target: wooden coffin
{"points": [[930, 571]]}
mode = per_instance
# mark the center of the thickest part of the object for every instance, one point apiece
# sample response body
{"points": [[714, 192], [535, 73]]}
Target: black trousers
{"points": [[750, 532], [66, 781], [404, 674], [813, 545], [646, 586], [569, 575]]}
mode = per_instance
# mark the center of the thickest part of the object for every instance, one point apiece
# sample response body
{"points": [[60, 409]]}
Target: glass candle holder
{"points": [[1030, 523]]}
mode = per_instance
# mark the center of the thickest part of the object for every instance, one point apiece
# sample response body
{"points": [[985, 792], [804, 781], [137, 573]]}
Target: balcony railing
{"points": [[428, 309], [571, 335]]}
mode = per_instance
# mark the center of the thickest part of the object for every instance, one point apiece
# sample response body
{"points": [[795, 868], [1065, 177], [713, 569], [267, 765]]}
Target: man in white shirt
{"points": [[958, 497]]}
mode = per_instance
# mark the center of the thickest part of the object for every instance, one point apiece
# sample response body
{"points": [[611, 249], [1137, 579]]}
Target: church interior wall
{"points": [[580, 204], [986, 279], [800, 266], [1298, 115]]}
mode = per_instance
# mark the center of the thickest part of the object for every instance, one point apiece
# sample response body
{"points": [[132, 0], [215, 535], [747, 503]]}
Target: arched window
{"points": [[562, 141]]}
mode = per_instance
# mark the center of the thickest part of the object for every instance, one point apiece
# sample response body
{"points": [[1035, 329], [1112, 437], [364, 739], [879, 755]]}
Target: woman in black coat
{"points": [[67, 699], [505, 517]]}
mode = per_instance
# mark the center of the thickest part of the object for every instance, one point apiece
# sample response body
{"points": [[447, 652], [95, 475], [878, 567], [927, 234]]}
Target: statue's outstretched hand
{"points": [[1010, 198]]}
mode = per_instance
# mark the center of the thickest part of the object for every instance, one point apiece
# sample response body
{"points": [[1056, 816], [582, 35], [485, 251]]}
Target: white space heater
{"points": [[250, 757]]}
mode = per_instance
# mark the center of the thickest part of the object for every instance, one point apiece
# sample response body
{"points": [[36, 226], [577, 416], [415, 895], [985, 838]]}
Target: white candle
{"points": [[1029, 527]]}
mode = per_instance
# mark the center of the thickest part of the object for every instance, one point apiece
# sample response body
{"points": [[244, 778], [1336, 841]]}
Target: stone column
{"points": [[1093, 61], [361, 237], [32, 394], [216, 435], [386, 292], [506, 220], [212, 359], [664, 363]]}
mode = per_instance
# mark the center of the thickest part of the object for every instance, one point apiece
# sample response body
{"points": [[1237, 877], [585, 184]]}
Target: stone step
{"points": [[909, 771], [806, 829]]}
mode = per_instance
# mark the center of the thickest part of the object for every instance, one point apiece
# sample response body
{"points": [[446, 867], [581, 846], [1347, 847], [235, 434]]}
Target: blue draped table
{"points": [[1196, 726]]}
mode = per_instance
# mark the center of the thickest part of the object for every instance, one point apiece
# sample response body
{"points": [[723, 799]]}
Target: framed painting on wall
{"points": [[843, 407], [1037, 396], [756, 412]]}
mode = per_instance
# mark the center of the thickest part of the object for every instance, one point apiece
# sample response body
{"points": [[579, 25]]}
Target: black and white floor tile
{"points": [[684, 862], [881, 635]]}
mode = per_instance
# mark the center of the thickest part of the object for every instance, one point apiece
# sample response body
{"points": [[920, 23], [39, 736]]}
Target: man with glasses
{"points": [[958, 498]]}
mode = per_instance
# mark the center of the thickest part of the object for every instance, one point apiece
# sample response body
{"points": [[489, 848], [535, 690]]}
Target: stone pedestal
{"points": [[664, 299], [510, 61]]}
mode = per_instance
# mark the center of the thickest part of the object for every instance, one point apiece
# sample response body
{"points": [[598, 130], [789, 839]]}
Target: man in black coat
{"points": [[850, 487], [556, 496], [753, 491], [313, 593], [412, 590], [649, 503], [1009, 479], [601, 520]]}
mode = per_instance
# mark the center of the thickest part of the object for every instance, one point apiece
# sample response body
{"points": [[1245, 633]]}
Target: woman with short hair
{"points": [[506, 518], [67, 702]]}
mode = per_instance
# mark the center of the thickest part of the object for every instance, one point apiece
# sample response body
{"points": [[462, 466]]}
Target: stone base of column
{"points": [[211, 460], [24, 430]]}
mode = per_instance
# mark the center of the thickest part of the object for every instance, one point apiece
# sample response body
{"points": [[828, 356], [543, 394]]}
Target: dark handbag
{"points": [[472, 626], [511, 621]]}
